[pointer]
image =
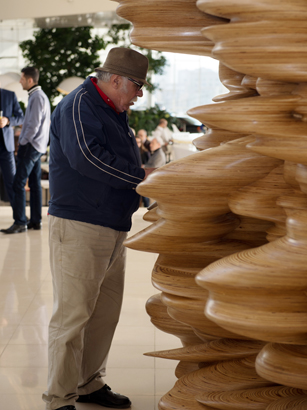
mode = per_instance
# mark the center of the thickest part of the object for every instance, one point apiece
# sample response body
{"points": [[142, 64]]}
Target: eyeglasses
{"points": [[140, 85]]}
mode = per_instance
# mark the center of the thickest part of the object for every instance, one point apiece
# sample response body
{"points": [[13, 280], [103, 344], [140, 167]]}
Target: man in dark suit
{"points": [[11, 115]]}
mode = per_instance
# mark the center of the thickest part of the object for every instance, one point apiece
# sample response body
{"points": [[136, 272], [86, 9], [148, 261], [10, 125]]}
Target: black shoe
{"points": [[35, 226], [15, 229], [107, 398], [67, 408]]}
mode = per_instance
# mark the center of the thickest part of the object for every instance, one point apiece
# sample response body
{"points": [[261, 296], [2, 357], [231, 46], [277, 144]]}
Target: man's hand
{"points": [[148, 171], [3, 122]]}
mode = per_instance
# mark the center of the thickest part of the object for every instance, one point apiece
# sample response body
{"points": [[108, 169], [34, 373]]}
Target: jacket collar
{"points": [[91, 89], [33, 89]]}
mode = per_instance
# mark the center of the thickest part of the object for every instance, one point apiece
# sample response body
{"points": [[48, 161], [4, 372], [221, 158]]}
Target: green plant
{"points": [[148, 119], [60, 53], [22, 106]]}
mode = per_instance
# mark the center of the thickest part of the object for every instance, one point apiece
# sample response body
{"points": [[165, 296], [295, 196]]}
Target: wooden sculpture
{"points": [[230, 222], [159, 25]]}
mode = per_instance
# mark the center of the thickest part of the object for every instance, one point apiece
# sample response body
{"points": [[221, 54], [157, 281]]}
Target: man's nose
{"points": [[140, 93]]}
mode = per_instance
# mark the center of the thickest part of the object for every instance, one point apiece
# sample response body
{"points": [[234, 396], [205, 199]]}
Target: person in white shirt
{"points": [[165, 137]]}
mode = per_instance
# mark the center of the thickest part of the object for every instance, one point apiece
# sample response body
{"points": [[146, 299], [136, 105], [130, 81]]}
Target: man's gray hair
{"points": [[106, 77], [103, 76]]}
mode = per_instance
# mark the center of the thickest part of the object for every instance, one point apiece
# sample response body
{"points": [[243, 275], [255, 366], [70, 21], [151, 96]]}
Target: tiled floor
{"points": [[25, 308]]}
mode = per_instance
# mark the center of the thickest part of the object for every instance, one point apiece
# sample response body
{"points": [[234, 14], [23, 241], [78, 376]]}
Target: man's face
{"points": [[25, 82], [127, 94], [142, 135]]}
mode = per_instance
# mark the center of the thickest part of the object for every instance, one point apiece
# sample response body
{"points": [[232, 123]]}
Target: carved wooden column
{"points": [[217, 209]]}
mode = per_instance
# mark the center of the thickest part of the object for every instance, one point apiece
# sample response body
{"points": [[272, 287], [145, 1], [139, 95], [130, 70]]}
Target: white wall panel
{"points": [[19, 9]]}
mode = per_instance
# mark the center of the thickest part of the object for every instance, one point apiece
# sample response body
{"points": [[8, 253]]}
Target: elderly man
{"points": [[94, 170], [11, 115]]}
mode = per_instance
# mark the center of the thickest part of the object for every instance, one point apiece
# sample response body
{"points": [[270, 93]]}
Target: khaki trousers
{"points": [[87, 264]]}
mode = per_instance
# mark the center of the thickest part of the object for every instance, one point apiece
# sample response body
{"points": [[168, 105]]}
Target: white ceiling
{"points": [[23, 9]]}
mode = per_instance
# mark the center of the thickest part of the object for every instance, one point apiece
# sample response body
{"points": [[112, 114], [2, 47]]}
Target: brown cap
{"points": [[126, 62]]}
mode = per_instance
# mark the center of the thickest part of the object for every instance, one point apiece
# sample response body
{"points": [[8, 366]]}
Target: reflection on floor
{"points": [[25, 308]]}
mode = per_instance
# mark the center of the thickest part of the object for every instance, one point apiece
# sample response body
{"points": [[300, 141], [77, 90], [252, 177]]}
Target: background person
{"points": [[33, 142], [145, 155], [157, 158], [142, 134], [12, 115], [94, 169], [165, 136]]}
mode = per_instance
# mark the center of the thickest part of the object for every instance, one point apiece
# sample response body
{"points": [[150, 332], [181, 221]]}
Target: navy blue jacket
{"points": [[11, 110], [94, 161]]}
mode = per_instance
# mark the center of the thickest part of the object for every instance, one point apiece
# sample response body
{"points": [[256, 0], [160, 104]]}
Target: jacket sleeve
{"points": [[16, 118], [81, 137]]}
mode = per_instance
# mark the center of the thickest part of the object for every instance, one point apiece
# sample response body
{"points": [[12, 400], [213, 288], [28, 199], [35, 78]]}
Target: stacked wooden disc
{"points": [[174, 27], [239, 86], [217, 209]]}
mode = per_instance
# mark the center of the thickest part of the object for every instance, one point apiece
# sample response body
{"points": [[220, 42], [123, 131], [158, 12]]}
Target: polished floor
{"points": [[25, 309]]}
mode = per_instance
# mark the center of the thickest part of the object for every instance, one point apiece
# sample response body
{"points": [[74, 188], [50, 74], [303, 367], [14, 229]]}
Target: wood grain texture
{"points": [[162, 321], [253, 399], [285, 364], [213, 351], [224, 376], [289, 403]]}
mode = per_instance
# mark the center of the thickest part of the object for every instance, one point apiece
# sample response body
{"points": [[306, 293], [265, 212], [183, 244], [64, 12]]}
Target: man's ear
{"points": [[30, 81], [116, 81]]}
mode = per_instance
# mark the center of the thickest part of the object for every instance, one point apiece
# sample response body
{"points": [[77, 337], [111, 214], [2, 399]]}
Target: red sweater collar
{"points": [[105, 98]]}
